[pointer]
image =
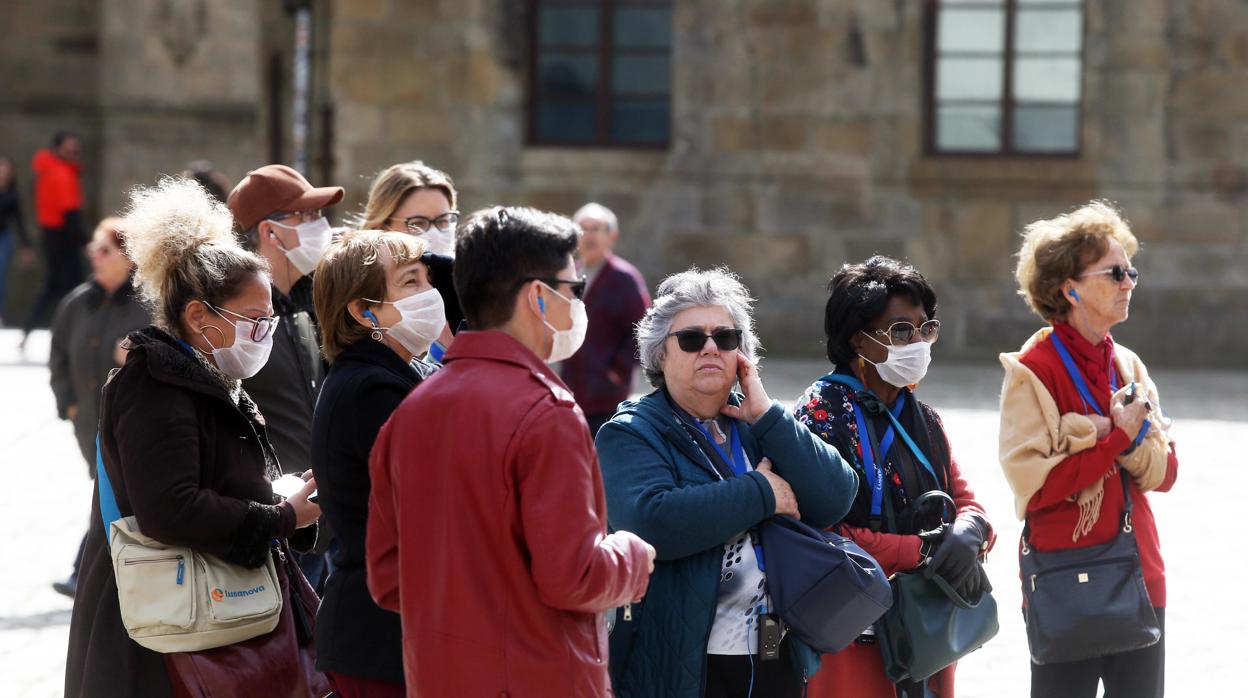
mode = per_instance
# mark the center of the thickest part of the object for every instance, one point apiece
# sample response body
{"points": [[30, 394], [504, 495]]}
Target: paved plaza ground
{"points": [[45, 502]]}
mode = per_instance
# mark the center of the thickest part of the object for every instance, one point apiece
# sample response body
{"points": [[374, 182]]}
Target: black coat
{"points": [[367, 381], [193, 464]]}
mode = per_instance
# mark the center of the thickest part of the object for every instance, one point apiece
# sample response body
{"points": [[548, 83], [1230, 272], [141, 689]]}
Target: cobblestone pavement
{"points": [[45, 502]]}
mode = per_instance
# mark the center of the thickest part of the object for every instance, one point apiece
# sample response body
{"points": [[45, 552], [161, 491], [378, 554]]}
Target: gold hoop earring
{"points": [[205, 336]]}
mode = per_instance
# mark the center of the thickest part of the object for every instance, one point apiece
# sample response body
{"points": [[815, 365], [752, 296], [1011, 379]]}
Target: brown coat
{"points": [[193, 465]]}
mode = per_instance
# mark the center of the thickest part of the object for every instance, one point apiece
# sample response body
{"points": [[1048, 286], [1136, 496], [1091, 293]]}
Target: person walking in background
{"points": [[58, 211], [12, 228], [280, 215], [880, 323], [600, 375], [487, 526], [182, 444], [1068, 428], [378, 312], [413, 198], [87, 331]]}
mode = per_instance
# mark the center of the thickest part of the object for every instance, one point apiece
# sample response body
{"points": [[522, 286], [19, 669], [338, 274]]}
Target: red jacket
{"points": [[600, 374], [1051, 512], [57, 189], [487, 531]]}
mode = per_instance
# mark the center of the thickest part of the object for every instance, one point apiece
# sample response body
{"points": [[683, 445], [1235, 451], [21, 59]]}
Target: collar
{"points": [[493, 345], [370, 351]]}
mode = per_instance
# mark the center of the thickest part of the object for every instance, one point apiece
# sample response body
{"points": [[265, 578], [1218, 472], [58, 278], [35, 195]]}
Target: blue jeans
{"points": [[6, 256]]}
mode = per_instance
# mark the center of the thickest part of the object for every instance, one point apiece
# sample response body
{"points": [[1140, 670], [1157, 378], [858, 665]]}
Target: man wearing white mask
{"points": [[487, 474], [280, 215]]}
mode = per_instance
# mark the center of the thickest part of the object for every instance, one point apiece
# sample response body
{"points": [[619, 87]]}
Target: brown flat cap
{"points": [[277, 189]]}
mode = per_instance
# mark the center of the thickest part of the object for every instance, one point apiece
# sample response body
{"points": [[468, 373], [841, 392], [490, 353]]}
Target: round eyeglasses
{"points": [[901, 333], [261, 327]]}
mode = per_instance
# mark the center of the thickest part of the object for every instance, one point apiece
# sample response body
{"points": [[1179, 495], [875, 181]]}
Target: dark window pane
{"points": [[567, 73], [1051, 3], [969, 128], [640, 121], [643, 27], [646, 74], [955, 3], [1049, 30], [566, 25], [566, 121], [1047, 79], [978, 30], [969, 78], [1041, 129]]}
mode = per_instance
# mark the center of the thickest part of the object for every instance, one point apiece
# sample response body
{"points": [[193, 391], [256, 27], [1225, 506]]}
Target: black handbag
{"points": [[1087, 602], [824, 587]]}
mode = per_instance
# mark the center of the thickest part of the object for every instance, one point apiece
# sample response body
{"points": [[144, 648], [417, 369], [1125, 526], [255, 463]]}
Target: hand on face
{"points": [[756, 402]]}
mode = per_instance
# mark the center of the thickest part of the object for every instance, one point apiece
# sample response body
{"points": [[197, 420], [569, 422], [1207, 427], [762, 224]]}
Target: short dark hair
{"points": [[859, 293], [498, 249], [61, 136]]}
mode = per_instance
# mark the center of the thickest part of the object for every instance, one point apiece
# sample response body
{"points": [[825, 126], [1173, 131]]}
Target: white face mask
{"points": [[905, 365], [314, 239], [567, 341], [439, 241], [422, 317], [245, 357]]}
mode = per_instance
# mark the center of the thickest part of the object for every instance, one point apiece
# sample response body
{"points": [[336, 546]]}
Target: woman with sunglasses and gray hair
{"points": [[694, 468], [1081, 425], [880, 325], [182, 448]]}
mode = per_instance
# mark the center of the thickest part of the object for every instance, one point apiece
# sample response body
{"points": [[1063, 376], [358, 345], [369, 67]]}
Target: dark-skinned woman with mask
{"points": [[184, 451], [378, 312], [880, 323]]}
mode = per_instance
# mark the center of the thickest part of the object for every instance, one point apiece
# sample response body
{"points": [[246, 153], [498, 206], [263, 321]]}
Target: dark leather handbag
{"points": [[1087, 602], [824, 587], [930, 626], [280, 663]]}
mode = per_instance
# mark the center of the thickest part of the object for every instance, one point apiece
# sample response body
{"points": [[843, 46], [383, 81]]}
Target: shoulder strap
{"points": [[1075, 374], [109, 511]]}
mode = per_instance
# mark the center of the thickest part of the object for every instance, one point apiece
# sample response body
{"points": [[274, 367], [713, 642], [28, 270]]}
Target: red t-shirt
{"points": [[1052, 512]]}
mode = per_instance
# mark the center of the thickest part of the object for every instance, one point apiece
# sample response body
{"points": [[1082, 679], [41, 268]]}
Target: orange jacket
{"points": [[487, 531], [57, 188]]}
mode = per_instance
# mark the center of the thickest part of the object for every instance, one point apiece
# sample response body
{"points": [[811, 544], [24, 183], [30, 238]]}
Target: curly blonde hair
{"points": [[1061, 248], [183, 245]]}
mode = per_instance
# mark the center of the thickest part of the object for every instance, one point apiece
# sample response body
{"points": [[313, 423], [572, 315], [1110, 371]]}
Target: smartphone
{"points": [[287, 485], [1130, 396]]}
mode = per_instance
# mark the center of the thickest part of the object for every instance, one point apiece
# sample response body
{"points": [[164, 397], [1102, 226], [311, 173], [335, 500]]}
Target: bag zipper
{"points": [[153, 560], [1076, 565]]}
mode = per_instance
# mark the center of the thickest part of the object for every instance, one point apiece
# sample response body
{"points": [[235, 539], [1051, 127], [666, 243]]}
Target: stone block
{"points": [[773, 13], [476, 78], [734, 134], [782, 133], [561, 201], [730, 208], [362, 10], [985, 241], [848, 136], [1203, 221], [747, 254]]}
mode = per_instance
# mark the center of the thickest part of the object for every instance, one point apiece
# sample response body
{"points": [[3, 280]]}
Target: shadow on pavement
{"points": [[36, 620]]}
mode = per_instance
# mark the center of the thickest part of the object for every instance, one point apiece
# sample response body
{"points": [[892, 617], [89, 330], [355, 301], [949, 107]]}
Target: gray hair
{"points": [[596, 210], [693, 289]]}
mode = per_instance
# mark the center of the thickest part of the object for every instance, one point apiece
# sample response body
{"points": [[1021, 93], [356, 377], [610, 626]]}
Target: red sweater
{"points": [[57, 189], [1052, 511]]}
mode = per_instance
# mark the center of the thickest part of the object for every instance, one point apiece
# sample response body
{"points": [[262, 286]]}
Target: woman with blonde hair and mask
{"points": [[1082, 440], [181, 444], [414, 198], [378, 313]]}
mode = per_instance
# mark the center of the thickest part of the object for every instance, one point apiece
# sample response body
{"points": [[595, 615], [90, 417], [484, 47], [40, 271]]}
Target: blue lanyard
{"points": [[740, 464], [873, 471], [1082, 386]]}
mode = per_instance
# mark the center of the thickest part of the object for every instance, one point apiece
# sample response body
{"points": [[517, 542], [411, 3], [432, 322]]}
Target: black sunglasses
{"points": [[1117, 272], [692, 341], [577, 287]]}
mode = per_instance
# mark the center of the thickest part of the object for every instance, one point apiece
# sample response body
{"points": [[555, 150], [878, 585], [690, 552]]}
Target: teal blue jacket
{"points": [[661, 486]]}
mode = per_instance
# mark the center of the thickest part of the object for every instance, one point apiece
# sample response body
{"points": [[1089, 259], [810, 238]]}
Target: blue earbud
{"points": [[541, 304], [1074, 294], [369, 314]]}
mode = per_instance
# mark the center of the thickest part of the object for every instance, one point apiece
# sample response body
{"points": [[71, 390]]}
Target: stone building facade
{"points": [[797, 141]]}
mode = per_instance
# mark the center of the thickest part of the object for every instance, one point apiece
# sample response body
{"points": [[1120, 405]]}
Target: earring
{"points": [[376, 335]]}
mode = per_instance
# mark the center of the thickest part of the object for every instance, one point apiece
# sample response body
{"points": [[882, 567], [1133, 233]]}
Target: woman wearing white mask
{"points": [[378, 312], [181, 443], [880, 326], [414, 198]]}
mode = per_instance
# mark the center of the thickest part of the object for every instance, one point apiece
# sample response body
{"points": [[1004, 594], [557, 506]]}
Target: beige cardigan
{"points": [[1035, 437]]}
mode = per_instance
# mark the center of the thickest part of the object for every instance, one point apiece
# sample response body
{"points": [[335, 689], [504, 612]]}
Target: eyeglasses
{"points": [[261, 327], [692, 341], [1118, 273], [302, 216], [420, 224], [902, 333], [577, 287]]}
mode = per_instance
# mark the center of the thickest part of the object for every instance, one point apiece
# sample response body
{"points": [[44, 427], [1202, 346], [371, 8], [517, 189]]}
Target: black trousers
{"points": [[1136, 674], [62, 256], [728, 676]]}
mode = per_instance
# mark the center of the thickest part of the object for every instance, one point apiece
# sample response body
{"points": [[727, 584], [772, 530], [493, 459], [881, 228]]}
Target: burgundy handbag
{"points": [[280, 664]]}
